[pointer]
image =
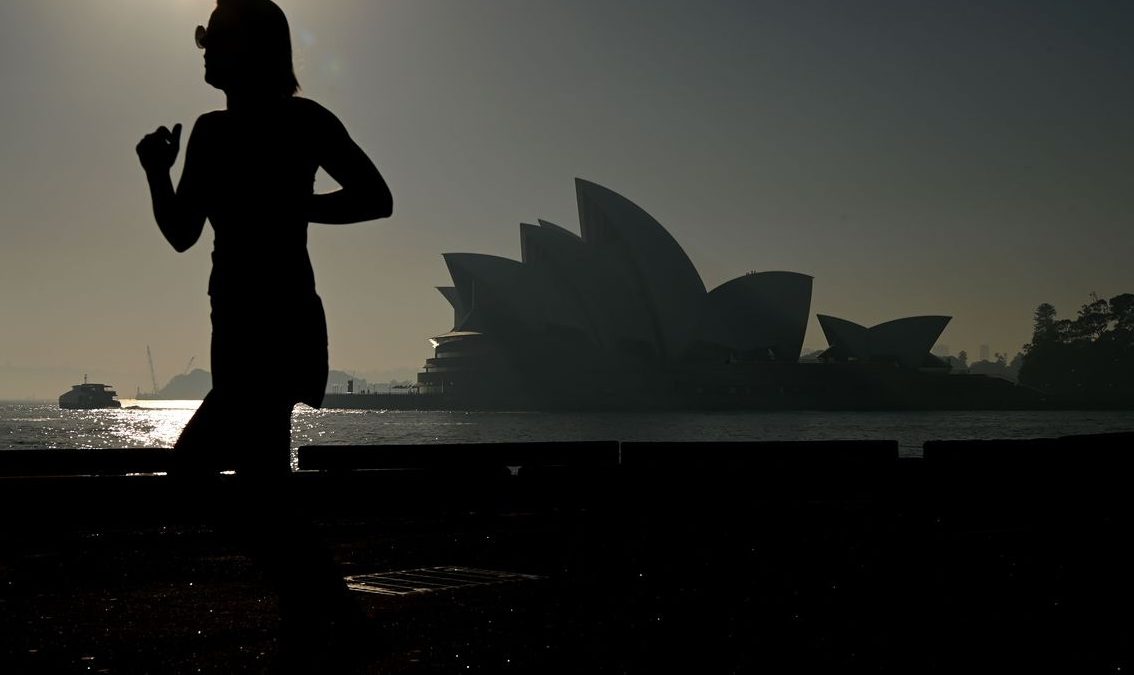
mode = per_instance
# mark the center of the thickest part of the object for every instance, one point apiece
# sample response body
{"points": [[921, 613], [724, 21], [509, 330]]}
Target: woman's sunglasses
{"points": [[201, 36]]}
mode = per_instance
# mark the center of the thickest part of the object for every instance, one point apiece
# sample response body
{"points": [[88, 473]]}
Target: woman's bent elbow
{"points": [[180, 233], [384, 207], [181, 244]]}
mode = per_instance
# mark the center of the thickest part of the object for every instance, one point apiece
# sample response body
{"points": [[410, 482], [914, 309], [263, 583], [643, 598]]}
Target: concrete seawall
{"points": [[708, 557]]}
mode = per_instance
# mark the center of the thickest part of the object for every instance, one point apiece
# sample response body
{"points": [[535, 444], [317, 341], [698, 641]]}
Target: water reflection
{"points": [[159, 423], [140, 424]]}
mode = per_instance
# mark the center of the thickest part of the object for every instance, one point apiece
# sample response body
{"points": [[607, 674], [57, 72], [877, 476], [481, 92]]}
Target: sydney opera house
{"points": [[618, 317]]}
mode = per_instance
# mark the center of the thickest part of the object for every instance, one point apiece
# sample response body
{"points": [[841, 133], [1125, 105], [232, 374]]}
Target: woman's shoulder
{"points": [[207, 129], [307, 107], [208, 121], [316, 118], [211, 117]]}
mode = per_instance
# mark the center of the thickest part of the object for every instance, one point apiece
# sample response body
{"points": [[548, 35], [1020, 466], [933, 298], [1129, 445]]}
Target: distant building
{"points": [[619, 313], [984, 352]]}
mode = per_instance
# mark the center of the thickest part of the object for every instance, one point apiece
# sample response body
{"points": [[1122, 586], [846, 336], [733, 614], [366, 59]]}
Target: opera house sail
{"points": [[905, 342], [618, 317]]}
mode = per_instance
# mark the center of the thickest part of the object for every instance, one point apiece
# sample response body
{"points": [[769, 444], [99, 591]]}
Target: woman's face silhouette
{"points": [[223, 56]]}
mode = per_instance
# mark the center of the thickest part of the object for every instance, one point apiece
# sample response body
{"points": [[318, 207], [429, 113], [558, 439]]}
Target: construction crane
{"points": [[153, 378]]}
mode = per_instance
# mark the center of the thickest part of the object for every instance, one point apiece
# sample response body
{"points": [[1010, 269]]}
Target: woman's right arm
{"points": [[180, 214], [364, 194]]}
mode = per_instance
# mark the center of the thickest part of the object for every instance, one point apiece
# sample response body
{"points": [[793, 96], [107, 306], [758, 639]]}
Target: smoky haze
{"points": [[969, 159]]}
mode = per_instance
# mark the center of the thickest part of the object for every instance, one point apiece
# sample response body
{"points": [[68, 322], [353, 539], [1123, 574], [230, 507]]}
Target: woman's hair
{"points": [[265, 40]]}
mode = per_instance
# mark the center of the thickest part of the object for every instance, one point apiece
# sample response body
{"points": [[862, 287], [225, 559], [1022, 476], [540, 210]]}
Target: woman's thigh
{"points": [[233, 432]]}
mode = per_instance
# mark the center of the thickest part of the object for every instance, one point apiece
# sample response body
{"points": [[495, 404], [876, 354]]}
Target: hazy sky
{"points": [[963, 158]]}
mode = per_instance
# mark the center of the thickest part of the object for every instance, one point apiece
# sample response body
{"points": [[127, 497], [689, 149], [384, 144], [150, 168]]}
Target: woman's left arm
{"points": [[364, 194]]}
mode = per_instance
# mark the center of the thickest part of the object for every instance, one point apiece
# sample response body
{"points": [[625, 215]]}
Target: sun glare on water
{"points": [[146, 424]]}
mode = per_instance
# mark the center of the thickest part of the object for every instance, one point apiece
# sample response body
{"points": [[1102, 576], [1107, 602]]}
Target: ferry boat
{"points": [[89, 396]]}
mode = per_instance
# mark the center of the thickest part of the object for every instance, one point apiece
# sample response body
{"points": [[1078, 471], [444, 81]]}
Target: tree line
{"points": [[1088, 359]]}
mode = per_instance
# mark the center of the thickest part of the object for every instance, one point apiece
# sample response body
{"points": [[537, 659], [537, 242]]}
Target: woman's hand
{"points": [[157, 151]]}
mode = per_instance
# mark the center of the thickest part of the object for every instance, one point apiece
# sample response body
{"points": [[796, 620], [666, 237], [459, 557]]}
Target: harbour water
{"points": [[158, 423]]}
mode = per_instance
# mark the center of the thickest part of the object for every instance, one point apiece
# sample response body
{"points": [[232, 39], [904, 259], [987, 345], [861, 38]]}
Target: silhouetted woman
{"points": [[250, 169]]}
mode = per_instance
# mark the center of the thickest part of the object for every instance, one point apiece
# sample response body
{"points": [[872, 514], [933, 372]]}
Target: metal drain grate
{"points": [[431, 580]]}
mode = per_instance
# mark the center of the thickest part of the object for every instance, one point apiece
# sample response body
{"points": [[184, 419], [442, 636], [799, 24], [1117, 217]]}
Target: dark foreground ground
{"points": [[708, 558]]}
